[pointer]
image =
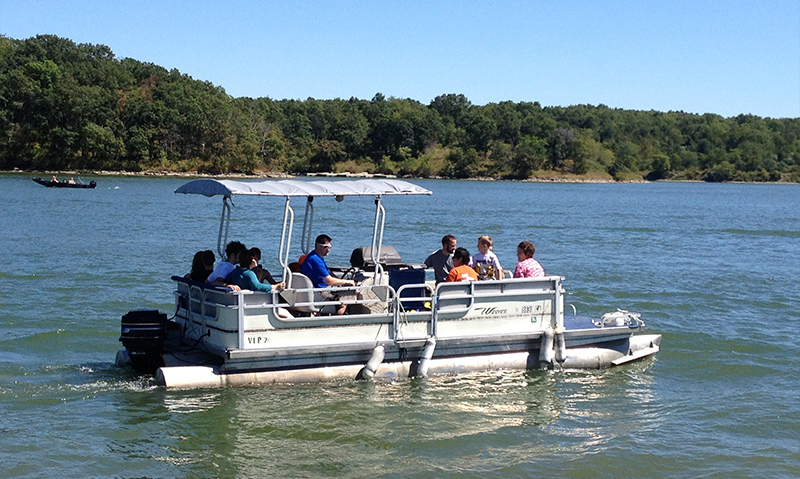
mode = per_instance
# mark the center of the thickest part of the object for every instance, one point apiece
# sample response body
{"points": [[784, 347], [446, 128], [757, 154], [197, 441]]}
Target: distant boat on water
{"points": [[65, 184]]}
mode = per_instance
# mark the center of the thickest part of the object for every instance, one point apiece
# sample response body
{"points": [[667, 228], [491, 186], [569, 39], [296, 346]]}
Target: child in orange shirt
{"points": [[461, 270]]}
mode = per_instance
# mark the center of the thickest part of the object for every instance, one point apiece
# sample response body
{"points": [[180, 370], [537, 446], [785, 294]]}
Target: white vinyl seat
{"points": [[300, 281]]}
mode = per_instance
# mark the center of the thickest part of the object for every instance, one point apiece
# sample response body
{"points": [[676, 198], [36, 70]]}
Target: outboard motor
{"points": [[361, 258], [143, 335]]}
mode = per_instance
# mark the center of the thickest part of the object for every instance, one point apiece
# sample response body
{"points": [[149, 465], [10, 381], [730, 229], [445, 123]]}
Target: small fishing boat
{"points": [[400, 325], [65, 184]]}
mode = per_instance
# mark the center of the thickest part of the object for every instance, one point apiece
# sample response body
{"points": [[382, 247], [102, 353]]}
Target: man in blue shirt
{"points": [[316, 269]]}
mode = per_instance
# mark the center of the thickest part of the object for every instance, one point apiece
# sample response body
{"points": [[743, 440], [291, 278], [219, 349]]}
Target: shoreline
{"points": [[273, 175], [556, 178]]}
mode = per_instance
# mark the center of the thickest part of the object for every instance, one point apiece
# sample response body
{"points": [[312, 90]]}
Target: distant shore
{"points": [[542, 177], [550, 177]]}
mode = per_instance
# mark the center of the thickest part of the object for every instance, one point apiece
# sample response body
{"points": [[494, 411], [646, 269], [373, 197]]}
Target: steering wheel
{"points": [[349, 271]]}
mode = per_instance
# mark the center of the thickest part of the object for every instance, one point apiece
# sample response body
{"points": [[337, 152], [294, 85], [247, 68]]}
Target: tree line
{"points": [[67, 106]]}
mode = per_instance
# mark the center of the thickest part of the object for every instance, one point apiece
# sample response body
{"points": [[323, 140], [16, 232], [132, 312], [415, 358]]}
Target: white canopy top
{"points": [[302, 188]]}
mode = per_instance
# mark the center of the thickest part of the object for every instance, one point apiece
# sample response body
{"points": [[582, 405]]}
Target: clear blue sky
{"points": [[720, 56]]}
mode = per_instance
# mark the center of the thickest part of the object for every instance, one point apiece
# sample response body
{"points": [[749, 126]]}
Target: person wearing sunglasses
{"points": [[316, 269]]}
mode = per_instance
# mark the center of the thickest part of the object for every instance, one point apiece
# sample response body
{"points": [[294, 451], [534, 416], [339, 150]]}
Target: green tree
{"points": [[624, 158], [64, 105], [661, 167], [531, 155], [560, 146]]}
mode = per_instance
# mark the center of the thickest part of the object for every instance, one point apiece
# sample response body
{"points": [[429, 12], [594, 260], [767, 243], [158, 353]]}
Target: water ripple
{"points": [[710, 267]]}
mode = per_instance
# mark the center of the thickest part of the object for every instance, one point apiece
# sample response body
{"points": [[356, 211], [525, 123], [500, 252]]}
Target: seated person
{"points": [[224, 268], [202, 265], [71, 181], [317, 271], [485, 262], [527, 266], [461, 270], [244, 276], [53, 179], [263, 274]]}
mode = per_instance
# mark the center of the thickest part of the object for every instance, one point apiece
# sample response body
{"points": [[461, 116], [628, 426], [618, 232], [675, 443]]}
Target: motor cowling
{"points": [[143, 333]]}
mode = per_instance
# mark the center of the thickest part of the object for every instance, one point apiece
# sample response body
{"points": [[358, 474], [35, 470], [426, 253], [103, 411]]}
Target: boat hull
{"points": [[599, 357], [220, 338], [64, 184]]}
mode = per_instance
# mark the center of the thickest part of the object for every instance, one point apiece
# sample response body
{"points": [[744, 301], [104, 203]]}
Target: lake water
{"points": [[714, 268]]}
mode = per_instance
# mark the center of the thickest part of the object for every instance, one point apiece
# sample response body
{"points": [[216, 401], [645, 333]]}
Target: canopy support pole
{"points": [[308, 226], [286, 240], [377, 239], [224, 224]]}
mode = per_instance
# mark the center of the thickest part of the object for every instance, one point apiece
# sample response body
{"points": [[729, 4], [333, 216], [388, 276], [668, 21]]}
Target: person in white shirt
{"points": [[485, 262], [224, 268]]}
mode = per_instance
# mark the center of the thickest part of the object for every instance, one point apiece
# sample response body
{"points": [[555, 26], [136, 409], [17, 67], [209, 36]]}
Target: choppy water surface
{"points": [[714, 268]]}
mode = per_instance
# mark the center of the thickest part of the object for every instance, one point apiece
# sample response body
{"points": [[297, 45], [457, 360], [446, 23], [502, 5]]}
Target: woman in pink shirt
{"points": [[527, 266]]}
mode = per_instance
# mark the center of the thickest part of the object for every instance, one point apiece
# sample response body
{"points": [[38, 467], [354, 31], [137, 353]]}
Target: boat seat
{"points": [[301, 281]]}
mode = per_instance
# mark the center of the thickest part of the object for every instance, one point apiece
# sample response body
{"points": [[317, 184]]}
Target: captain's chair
{"points": [[299, 281]]}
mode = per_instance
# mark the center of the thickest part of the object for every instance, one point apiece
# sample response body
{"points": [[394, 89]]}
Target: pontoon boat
{"points": [[400, 325]]}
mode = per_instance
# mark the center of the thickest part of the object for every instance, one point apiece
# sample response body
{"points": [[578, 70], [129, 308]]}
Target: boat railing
{"points": [[201, 302], [445, 301], [401, 308], [455, 299], [197, 306], [309, 299], [410, 302]]}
